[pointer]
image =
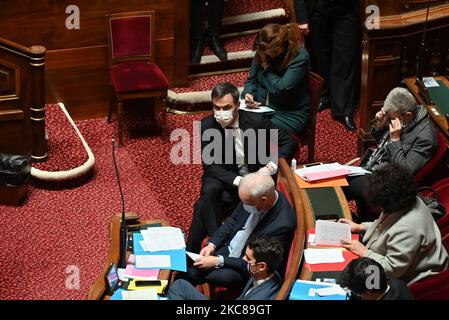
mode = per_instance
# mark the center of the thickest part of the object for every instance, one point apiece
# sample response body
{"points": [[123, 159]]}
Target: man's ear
{"points": [[263, 266], [409, 115]]}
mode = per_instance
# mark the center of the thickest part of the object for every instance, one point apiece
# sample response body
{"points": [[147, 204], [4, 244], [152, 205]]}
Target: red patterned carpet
{"points": [[57, 229]]}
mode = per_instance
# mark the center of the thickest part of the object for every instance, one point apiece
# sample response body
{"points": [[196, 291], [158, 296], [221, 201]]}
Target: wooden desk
{"points": [[439, 120], [317, 202], [98, 289]]}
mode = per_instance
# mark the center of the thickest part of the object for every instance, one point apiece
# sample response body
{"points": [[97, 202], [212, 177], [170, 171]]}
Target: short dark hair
{"points": [[355, 276], [391, 188], [267, 250], [224, 88]]}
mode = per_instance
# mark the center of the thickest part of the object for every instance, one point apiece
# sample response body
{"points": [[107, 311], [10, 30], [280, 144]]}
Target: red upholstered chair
{"points": [[307, 137], [442, 188], [439, 153], [435, 287], [134, 74]]}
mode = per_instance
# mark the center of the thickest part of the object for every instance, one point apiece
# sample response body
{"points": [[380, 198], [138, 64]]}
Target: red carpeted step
{"points": [[238, 7], [235, 44], [208, 82], [194, 98]]}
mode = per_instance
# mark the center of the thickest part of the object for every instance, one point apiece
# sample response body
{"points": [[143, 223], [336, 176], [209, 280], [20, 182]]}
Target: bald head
{"points": [[257, 190]]}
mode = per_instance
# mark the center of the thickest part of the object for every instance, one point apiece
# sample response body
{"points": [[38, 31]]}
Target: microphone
{"points": [[424, 93], [123, 226]]}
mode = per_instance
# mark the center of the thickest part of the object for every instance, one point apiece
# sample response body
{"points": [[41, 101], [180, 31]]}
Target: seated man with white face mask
{"points": [[263, 257], [262, 212], [234, 143]]}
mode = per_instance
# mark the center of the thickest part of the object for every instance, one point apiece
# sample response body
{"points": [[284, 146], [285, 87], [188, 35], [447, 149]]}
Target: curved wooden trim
{"points": [[98, 289], [295, 262]]}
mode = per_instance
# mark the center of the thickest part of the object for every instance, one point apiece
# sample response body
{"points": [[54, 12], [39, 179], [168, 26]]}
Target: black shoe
{"points": [[217, 47], [196, 51], [324, 104], [348, 122]]}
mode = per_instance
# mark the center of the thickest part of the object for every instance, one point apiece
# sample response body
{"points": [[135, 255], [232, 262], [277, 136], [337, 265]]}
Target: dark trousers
{"points": [[356, 191], [215, 16], [223, 277], [215, 200], [335, 38], [184, 290]]}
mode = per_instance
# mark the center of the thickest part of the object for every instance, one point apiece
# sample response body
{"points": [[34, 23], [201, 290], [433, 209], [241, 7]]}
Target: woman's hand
{"points": [[250, 103], [355, 246], [355, 227]]}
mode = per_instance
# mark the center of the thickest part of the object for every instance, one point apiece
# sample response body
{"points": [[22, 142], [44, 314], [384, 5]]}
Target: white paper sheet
{"points": [[315, 256], [356, 171], [430, 82], [261, 109], [330, 233], [144, 294], [163, 238], [193, 256], [318, 168], [330, 291], [153, 261]]}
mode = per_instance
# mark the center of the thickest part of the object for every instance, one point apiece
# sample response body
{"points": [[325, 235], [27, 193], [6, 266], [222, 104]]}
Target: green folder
{"points": [[440, 95], [325, 203]]}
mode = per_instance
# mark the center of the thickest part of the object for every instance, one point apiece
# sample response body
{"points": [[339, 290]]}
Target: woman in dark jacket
{"points": [[279, 77]]}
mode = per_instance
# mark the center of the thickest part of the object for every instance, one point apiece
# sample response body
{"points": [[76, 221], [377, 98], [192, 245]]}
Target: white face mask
{"points": [[224, 117], [251, 209]]}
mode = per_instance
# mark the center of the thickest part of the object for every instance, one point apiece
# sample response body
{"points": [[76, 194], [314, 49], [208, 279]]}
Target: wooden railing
{"points": [[22, 100], [287, 185]]}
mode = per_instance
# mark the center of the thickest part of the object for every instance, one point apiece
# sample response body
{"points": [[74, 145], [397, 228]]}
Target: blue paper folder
{"points": [[301, 288], [177, 257]]}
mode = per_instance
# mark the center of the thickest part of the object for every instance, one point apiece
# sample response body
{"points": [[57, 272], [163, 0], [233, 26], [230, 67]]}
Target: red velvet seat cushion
{"points": [[137, 76]]}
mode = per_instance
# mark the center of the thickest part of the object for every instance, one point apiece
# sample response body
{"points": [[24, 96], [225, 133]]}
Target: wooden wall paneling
{"points": [[390, 54], [22, 112], [77, 64]]}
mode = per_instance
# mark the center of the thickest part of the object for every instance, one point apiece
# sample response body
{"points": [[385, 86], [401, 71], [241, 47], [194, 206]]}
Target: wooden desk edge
{"points": [[98, 289]]}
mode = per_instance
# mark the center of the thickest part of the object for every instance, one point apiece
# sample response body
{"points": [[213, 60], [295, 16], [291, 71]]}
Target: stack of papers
{"points": [[330, 233], [323, 171], [260, 109], [356, 171], [318, 256], [162, 238], [147, 294], [174, 259], [132, 273]]}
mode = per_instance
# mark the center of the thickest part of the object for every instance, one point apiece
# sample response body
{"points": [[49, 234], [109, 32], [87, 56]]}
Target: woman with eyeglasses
{"points": [[279, 76]]}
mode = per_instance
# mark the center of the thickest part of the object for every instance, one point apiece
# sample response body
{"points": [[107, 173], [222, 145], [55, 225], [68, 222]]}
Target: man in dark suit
{"points": [[215, 16], [334, 33], [263, 256], [366, 280], [263, 212], [234, 143]]}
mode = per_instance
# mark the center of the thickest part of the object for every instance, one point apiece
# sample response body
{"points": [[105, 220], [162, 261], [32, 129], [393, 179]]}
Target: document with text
{"points": [[330, 233]]}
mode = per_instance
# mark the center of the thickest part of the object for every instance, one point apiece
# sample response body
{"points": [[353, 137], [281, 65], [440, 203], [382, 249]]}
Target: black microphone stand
{"points": [[423, 91], [123, 226]]}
